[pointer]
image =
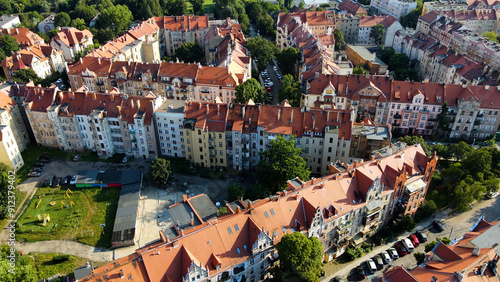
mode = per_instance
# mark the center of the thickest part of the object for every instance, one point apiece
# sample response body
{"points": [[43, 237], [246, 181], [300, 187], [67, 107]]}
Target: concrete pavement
{"points": [[455, 226]]}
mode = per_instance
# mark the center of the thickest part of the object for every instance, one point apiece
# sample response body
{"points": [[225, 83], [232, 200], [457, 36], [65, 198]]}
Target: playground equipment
{"points": [[45, 218], [71, 203], [67, 193], [62, 205], [38, 204]]}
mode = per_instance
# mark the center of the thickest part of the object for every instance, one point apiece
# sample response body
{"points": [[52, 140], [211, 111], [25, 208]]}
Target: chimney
{"points": [[291, 116], [192, 219], [243, 108], [218, 109], [238, 210], [327, 116], [94, 96], [184, 198], [279, 114], [162, 237], [208, 107], [81, 60], [99, 60], [314, 123], [132, 103]]}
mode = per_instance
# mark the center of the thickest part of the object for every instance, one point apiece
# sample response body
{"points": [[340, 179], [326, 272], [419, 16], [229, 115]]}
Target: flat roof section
{"points": [[181, 215], [203, 206]]}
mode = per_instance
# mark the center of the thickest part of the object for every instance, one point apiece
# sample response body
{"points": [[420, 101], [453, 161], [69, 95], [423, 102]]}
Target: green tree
{"points": [[257, 191], [197, 7], [360, 69], [419, 257], [287, 60], [178, 7], [116, 19], [290, 90], [442, 151], [288, 4], [377, 33], [26, 75], [2, 57], [460, 150], [79, 24], [84, 11], [300, 256], [9, 44], [265, 25], [407, 74], [4, 190], [429, 246], [386, 54], [339, 39], [428, 208], [263, 50], [398, 61], [149, 8], [491, 35], [406, 223], [280, 163], [44, 36], [250, 89], [413, 140], [477, 162], [492, 184], [62, 19], [442, 118], [235, 192], [5, 7], [24, 270], [189, 52], [466, 193], [160, 172]]}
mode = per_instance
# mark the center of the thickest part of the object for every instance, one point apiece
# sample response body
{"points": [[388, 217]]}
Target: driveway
{"points": [[455, 226]]}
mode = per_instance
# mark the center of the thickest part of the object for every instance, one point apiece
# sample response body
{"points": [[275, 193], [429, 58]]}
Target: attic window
{"points": [[266, 214], [229, 230], [284, 230], [272, 212], [236, 227], [411, 158], [275, 234], [348, 181], [238, 251], [291, 228], [371, 171]]}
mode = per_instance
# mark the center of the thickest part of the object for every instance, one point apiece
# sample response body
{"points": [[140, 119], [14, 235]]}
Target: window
{"points": [[272, 212], [238, 251], [236, 227], [229, 230], [266, 214]]}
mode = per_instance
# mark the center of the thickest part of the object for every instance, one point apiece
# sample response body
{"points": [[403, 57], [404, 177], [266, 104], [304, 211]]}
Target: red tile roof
{"points": [[397, 274], [24, 36], [182, 23], [71, 36]]}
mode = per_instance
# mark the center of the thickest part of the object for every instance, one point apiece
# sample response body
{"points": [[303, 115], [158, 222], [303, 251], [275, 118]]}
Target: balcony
{"points": [[479, 115], [396, 116], [132, 131], [477, 121], [100, 83], [345, 225]]}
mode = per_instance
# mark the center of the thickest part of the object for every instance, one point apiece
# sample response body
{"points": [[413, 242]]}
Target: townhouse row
{"points": [[411, 107], [342, 208], [172, 80]]}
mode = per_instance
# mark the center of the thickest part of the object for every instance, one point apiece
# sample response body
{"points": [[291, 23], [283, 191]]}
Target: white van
{"points": [[408, 245]]}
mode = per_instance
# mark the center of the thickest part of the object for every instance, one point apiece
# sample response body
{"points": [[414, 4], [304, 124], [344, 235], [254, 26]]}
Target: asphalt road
{"points": [[455, 226]]}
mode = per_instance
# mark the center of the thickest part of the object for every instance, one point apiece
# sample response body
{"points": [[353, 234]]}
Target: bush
{"points": [[431, 245], [353, 253], [420, 257], [63, 258]]}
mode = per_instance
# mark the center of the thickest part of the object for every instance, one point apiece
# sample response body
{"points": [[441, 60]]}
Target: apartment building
{"points": [[13, 134], [411, 107], [230, 29], [349, 25], [176, 30], [106, 123], [71, 41], [169, 120], [43, 59], [366, 23], [47, 24], [337, 208], [24, 37], [215, 83], [92, 73], [395, 8], [444, 6], [367, 137]]}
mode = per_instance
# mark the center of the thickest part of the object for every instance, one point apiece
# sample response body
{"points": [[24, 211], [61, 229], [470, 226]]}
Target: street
{"points": [[455, 226]]}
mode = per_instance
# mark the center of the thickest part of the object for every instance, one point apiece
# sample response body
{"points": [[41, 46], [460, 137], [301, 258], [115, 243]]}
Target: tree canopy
{"points": [[189, 52], [198, 7], [263, 50], [62, 19], [339, 39], [290, 90], [300, 256], [9, 44], [160, 172], [250, 89], [412, 140], [491, 35], [24, 270], [26, 75], [287, 59], [234, 192], [280, 163], [377, 33], [116, 19]]}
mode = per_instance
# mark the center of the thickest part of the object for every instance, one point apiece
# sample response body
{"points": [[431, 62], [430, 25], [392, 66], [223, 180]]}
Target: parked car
{"points": [[50, 180], [393, 253], [76, 158], [378, 261], [371, 266], [57, 182], [439, 225], [269, 89], [386, 257], [360, 272], [73, 180], [401, 250], [37, 169], [34, 174], [414, 240], [125, 159], [66, 180], [421, 236], [491, 195], [338, 279], [43, 160], [408, 245], [39, 164]]}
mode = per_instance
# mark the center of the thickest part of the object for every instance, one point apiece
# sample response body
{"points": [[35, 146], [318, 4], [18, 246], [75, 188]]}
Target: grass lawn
{"points": [[45, 266], [20, 195], [208, 6], [80, 222]]}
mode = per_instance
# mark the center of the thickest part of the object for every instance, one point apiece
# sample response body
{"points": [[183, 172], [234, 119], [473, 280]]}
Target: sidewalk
{"points": [[347, 267]]}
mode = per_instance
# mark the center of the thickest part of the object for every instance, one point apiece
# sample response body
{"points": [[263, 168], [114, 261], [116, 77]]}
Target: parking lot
{"points": [[270, 79]]}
